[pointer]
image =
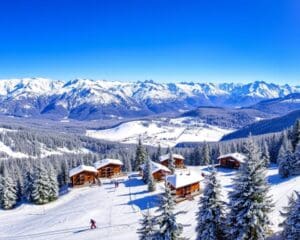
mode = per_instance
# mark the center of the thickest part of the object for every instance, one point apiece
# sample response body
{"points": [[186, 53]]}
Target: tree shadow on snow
{"points": [[135, 193], [145, 202], [277, 179], [133, 182]]}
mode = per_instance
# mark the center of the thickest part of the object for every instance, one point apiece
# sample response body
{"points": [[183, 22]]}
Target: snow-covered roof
{"points": [[166, 156], [155, 167], [238, 156], [80, 169], [183, 178], [107, 161]]}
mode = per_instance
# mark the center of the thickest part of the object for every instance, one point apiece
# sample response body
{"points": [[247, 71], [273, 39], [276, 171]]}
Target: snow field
{"points": [[118, 211]]}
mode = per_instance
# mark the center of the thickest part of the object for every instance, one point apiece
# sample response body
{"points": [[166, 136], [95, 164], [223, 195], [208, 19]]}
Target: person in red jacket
{"points": [[93, 224]]}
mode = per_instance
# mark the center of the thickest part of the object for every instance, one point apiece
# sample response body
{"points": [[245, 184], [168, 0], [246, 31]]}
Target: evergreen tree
{"points": [[40, 186], [171, 162], [148, 230], [8, 193], [211, 213], [158, 153], [296, 134], [285, 157], [140, 155], [291, 225], [169, 228], [265, 154], [53, 185], [249, 201], [150, 181], [146, 170], [205, 154]]}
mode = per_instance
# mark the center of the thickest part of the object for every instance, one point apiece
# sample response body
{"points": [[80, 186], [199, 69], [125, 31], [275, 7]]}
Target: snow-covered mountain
{"points": [[86, 99]]}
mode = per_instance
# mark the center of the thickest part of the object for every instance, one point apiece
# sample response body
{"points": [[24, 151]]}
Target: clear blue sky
{"points": [[234, 40]]}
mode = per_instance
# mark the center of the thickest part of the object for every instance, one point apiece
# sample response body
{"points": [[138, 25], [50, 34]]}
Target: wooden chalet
{"points": [[231, 160], [184, 184], [159, 171], [178, 160], [108, 168], [83, 175]]}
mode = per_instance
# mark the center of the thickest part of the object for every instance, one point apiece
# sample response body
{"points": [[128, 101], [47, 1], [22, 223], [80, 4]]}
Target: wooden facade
{"points": [[229, 162], [159, 175], [109, 171], [183, 192], [83, 178], [178, 162]]}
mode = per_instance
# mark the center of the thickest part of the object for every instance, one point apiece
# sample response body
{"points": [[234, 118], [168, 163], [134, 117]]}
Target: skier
{"points": [[93, 224]]}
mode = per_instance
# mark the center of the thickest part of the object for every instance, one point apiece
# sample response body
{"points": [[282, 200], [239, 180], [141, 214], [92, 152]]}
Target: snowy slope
{"points": [[167, 132], [116, 211]]}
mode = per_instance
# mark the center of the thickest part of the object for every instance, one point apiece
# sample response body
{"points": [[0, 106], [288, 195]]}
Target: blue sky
{"points": [[237, 40]]}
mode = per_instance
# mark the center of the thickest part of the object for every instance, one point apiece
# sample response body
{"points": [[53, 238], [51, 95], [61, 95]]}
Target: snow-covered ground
{"points": [[117, 211], [167, 132]]}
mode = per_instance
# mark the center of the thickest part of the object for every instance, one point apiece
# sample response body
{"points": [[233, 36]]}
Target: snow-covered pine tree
{"points": [[265, 154], [40, 186], [169, 228], [211, 213], [151, 182], [140, 155], [249, 202], [296, 134], [146, 170], [158, 153], [285, 157], [171, 162], [291, 225], [148, 230], [287, 209], [8, 193], [205, 154], [53, 185]]}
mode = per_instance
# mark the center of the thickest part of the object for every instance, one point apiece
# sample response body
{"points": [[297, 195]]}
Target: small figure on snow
{"points": [[93, 224]]}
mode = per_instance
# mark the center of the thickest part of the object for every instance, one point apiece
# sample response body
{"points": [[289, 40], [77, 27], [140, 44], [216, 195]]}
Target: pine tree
{"points": [[151, 182], [8, 193], [265, 154], [285, 157], [40, 186], [169, 228], [296, 134], [140, 155], [146, 170], [291, 225], [171, 164], [249, 201], [211, 213], [148, 230], [53, 185], [205, 154], [158, 153]]}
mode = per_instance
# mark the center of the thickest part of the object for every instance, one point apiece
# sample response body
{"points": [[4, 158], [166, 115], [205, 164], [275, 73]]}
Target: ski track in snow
{"points": [[117, 211]]}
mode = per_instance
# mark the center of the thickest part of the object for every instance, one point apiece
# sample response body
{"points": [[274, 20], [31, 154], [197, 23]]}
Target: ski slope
{"points": [[167, 132], [117, 211]]}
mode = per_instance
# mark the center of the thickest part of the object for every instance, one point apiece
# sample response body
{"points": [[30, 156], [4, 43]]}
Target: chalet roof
{"points": [[157, 167], [107, 161], [82, 168], [183, 178], [237, 156], [166, 156]]}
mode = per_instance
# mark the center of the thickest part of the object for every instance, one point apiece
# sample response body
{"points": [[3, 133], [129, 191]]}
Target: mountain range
{"points": [[84, 99]]}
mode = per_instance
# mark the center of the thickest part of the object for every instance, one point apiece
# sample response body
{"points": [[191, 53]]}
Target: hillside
{"points": [[265, 126], [117, 211], [227, 117]]}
